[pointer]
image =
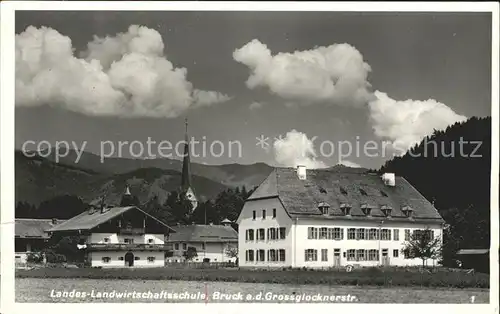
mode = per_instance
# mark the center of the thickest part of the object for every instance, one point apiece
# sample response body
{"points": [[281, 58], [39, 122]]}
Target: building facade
{"points": [[333, 218], [118, 237], [212, 243], [31, 236]]}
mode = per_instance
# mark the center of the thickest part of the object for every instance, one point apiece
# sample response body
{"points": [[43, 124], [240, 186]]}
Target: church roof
{"points": [[343, 185]]}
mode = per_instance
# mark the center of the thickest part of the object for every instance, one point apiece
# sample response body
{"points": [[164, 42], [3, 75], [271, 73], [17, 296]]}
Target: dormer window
{"points": [[324, 208], [366, 209], [386, 210], [346, 209], [407, 211]]}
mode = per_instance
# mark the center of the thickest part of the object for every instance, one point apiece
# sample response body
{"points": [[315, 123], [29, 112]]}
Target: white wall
{"points": [[297, 241], [96, 259], [304, 243], [246, 222], [98, 238]]}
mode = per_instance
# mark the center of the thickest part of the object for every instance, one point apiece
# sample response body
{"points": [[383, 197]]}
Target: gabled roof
{"points": [[87, 221], [473, 251], [203, 233], [339, 185], [34, 228]]}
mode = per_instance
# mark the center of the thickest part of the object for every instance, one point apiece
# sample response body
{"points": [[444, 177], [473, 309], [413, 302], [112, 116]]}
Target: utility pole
{"points": [[379, 237]]}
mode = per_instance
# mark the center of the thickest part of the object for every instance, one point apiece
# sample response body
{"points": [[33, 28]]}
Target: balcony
{"points": [[132, 231], [128, 247]]}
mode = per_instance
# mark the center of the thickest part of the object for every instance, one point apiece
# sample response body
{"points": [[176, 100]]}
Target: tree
{"points": [[190, 253], [232, 251], [423, 245]]}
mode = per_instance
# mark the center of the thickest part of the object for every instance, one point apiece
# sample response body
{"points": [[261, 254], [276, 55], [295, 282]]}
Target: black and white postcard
{"points": [[229, 156]]}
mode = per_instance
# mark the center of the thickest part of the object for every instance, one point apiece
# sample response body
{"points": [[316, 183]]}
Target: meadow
{"points": [[36, 290], [379, 277]]}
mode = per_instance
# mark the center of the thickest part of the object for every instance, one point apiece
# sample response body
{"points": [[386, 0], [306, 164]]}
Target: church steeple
{"points": [[186, 185]]}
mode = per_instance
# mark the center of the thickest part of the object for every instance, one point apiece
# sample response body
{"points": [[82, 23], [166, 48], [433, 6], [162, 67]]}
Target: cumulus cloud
{"points": [[255, 105], [405, 123], [336, 73], [123, 75], [296, 149]]}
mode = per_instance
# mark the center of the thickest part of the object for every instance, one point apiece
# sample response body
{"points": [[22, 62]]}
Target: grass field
{"points": [[381, 277], [36, 290]]}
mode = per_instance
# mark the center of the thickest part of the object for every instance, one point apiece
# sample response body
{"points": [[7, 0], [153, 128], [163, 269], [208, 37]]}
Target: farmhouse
{"points": [[211, 243], [118, 236], [331, 218], [31, 236]]}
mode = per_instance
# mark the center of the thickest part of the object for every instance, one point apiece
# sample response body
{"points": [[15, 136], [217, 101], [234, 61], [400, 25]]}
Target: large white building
{"points": [[118, 236], [332, 217]]}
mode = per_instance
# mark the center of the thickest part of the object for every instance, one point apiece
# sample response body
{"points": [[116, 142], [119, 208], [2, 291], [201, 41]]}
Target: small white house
{"points": [[211, 242], [332, 218], [118, 237]]}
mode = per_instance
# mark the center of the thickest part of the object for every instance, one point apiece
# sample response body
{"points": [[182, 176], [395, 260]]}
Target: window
{"points": [[151, 259], [274, 212], [311, 255], [249, 235], [312, 233], [249, 255], [351, 234], [184, 246], [361, 234], [128, 241], [254, 215], [106, 259], [203, 245], [263, 214], [281, 255], [271, 234], [372, 234], [260, 255], [338, 233], [282, 231], [407, 234], [324, 209], [151, 241], [323, 233], [386, 234], [373, 255], [106, 240], [405, 254], [395, 253], [120, 258], [351, 255], [137, 258], [361, 255], [396, 234], [324, 255], [271, 256], [261, 235], [177, 246]]}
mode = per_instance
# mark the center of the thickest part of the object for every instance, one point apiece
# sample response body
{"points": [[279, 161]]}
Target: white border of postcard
{"points": [[7, 67]]}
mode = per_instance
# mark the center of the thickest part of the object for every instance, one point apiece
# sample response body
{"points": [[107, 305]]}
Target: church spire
{"points": [[186, 164], [186, 185]]}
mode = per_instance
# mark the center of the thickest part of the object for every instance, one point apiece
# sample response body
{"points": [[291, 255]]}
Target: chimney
{"points": [[389, 179], [54, 221], [302, 172]]}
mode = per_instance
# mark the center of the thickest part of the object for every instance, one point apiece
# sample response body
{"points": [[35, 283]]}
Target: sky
{"points": [[285, 88]]}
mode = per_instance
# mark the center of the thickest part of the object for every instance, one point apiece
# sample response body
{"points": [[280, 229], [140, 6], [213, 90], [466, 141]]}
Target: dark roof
{"points": [[473, 251], [301, 197], [87, 221], [203, 233], [34, 228]]}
